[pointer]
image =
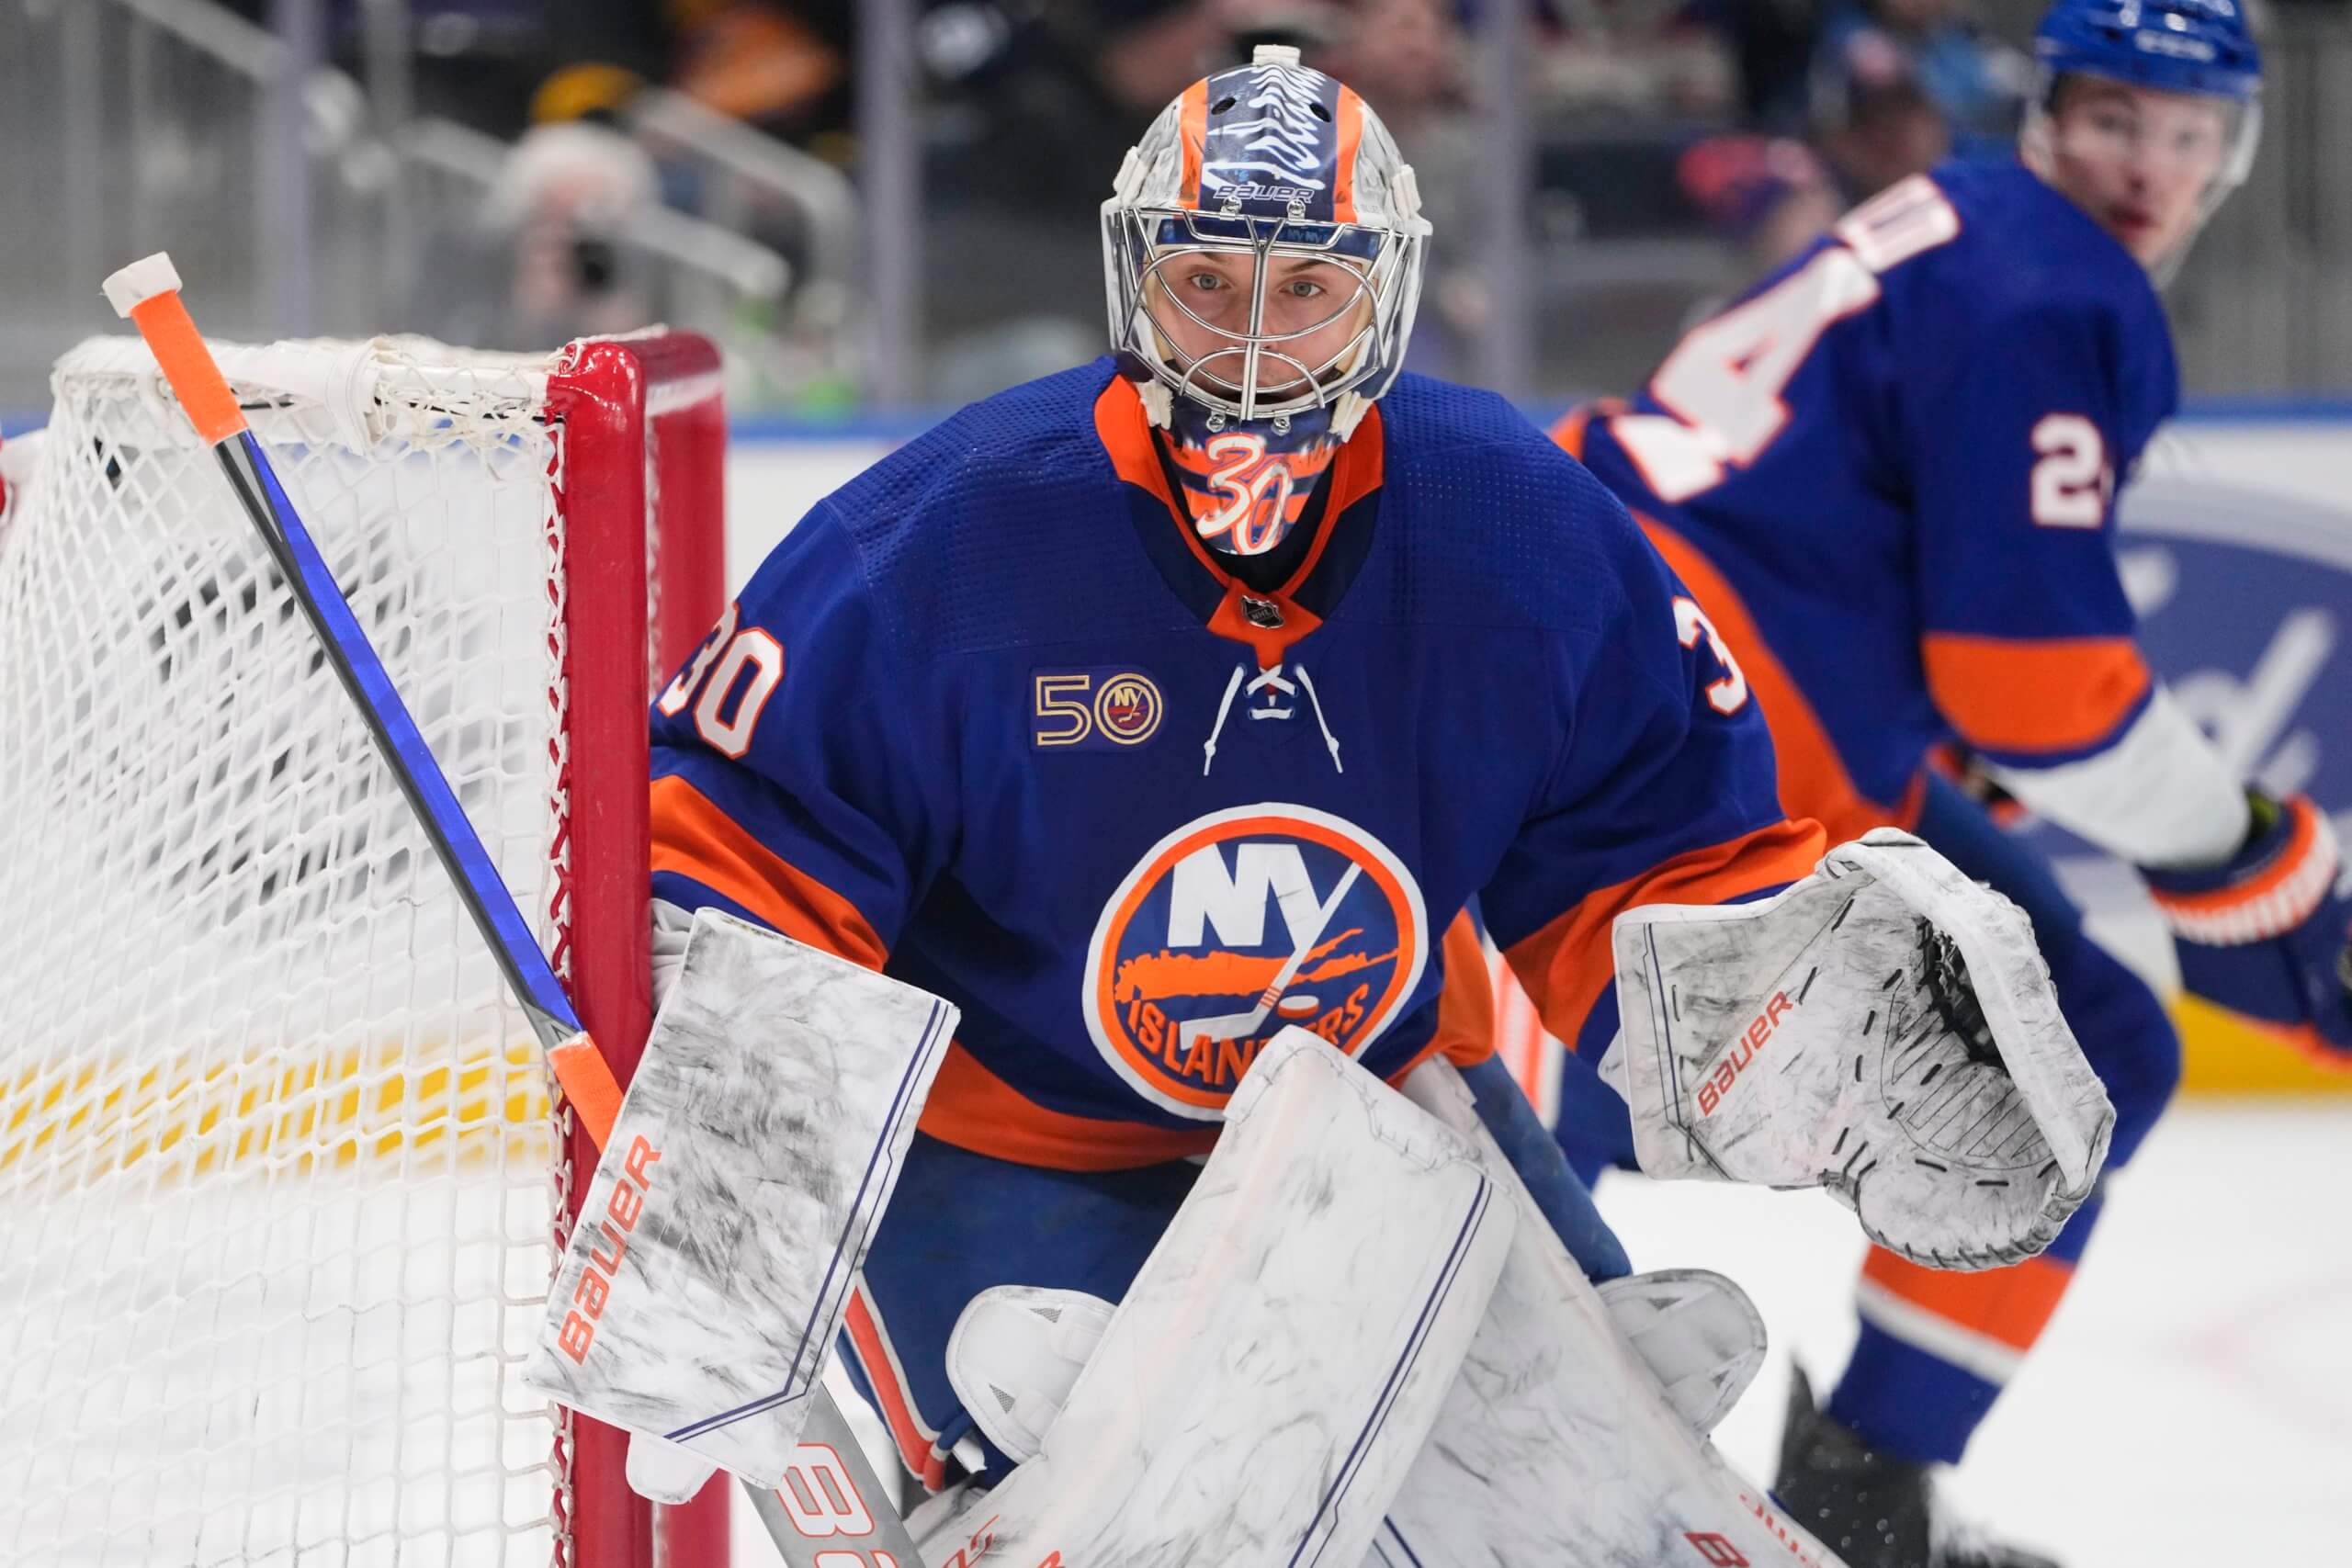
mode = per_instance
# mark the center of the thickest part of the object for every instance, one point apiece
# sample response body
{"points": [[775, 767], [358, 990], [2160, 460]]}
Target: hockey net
{"points": [[281, 1175]]}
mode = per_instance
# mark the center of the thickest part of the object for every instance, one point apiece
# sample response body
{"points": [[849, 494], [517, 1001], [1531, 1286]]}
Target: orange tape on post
{"points": [[148, 293], [588, 1083], [187, 364]]}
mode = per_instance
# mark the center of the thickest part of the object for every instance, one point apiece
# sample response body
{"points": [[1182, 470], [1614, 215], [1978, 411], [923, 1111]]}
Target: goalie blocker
{"points": [[1885, 1029], [761, 1137]]}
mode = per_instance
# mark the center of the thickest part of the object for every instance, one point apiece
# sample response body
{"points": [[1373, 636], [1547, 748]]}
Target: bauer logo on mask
{"points": [[1280, 142], [1235, 925]]}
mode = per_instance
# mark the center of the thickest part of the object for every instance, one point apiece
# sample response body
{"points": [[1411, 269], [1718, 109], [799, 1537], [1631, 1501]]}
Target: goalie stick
{"points": [[808, 1531]]}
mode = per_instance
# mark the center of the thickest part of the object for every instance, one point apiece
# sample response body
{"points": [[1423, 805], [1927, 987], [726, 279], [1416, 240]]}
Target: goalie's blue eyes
{"points": [[1297, 288]]}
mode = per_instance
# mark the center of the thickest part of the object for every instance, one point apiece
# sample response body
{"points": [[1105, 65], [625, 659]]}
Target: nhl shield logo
{"points": [[1236, 924]]}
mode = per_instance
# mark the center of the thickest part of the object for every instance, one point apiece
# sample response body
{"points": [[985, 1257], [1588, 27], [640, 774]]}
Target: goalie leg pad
{"points": [[1015, 1353], [1277, 1365], [1886, 1029], [760, 1139], [1559, 1443]]}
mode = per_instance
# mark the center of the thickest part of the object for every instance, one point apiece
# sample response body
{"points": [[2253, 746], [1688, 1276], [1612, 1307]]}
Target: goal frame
{"points": [[636, 421]]}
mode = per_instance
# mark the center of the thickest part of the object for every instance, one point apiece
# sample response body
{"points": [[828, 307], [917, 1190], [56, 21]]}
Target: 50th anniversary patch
{"points": [[1108, 707]]}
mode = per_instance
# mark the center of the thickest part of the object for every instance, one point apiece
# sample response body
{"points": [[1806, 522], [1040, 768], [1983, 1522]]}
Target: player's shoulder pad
{"points": [[2026, 254], [1491, 522], [960, 533]]}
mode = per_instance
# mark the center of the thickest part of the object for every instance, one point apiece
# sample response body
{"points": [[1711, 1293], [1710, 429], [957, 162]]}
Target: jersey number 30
{"points": [[730, 709], [1725, 380]]}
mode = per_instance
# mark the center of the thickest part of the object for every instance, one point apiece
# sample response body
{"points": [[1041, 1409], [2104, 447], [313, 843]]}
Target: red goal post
{"points": [[639, 471]]}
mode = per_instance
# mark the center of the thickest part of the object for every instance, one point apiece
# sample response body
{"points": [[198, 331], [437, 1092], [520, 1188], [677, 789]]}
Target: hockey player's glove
{"points": [[2264, 933], [1884, 1028]]}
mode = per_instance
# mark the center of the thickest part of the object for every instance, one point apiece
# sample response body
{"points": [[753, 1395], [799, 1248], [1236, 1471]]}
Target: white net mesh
{"points": [[277, 1173]]}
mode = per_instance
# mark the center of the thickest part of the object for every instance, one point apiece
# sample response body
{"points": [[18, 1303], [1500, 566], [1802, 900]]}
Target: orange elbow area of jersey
{"points": [[1567, 964], [2021, 699], [695, 840]]}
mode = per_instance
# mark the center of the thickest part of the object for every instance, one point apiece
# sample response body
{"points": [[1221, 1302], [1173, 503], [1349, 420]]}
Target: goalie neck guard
{"points": [[1268, 164]]}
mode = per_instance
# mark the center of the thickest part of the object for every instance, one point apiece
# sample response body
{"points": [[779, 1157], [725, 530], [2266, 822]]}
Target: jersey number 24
{"points": [[1723, 381]]}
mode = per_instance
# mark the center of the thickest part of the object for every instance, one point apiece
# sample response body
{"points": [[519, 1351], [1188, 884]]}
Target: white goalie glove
{"points": [[1885, 1029]]}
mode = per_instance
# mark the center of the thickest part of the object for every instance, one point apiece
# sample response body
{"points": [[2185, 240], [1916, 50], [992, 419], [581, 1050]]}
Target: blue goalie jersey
{"points": [[1889, 472], [993, 719]]}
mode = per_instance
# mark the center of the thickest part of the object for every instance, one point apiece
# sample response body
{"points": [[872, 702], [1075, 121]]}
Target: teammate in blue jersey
{"points": [[1889, 473]]}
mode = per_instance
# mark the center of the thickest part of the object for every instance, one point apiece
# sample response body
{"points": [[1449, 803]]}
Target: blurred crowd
{"points": [[1736, 127]]}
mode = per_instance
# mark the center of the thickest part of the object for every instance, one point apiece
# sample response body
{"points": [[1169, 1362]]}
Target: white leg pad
{"points": [[763, 1132], [1277, 1364], [1559, 1444]]}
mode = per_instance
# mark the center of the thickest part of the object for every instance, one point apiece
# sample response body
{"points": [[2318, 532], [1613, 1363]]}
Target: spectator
{"points": [[1767, 197], [1878, 125], [1404, 56], [1976, 85]]}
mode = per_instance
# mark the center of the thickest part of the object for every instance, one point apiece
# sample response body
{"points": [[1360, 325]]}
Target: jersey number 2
{"points": [[2072, 480], [1723, 381]]}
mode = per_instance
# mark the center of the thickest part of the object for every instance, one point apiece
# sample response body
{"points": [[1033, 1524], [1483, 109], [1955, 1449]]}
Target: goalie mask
{"points": [[1262, 250], [2148, 116]]}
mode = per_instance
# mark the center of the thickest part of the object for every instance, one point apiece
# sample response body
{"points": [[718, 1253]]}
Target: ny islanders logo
{"points": [[1240, 923]]}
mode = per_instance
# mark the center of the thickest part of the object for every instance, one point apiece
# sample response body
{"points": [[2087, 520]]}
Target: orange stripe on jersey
{"points": [[2038, 694], [2010, 1307], [908, 1429], [1567, 964], [1125, 434], [1193, 133], [695, 840], [1465, 1008], [973, 1109], [1350, 121], [1360, 468], [1813, 781], [1567, 431]]}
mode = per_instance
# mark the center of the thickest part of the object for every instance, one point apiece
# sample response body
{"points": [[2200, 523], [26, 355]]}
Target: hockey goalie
{"points": [[1164, 717]]}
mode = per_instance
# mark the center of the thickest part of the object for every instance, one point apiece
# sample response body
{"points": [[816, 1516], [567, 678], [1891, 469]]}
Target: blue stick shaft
{"points": [[400, 742]]}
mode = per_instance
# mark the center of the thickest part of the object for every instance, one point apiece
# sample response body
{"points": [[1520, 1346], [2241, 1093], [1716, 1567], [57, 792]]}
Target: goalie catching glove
{"points": [[1885, 1029]]}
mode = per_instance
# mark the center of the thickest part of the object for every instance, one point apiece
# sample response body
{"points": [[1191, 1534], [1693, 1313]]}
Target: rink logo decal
{"points": [[1733, 1061], [1106, 709], [622, 1209], [1235, 925]]}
